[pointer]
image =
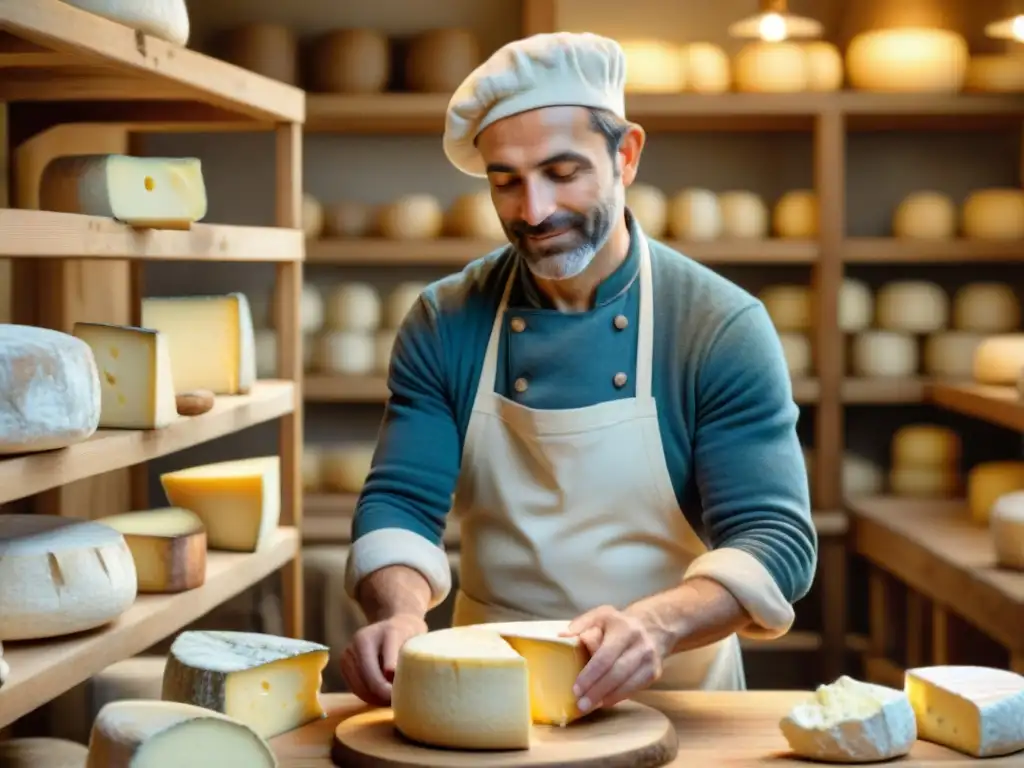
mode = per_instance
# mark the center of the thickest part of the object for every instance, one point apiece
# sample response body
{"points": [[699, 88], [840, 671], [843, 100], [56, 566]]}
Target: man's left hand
{"points": [[625, 656]]}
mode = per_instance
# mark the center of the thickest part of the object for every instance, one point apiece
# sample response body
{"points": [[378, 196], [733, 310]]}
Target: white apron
{"points": [[565, 510]]}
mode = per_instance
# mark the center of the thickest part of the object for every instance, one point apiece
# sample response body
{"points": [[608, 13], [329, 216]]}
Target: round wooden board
{"points": [[629, 735]]}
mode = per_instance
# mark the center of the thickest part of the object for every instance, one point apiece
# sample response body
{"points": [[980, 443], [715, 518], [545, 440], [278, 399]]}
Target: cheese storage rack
{"points": [[58, 66]]}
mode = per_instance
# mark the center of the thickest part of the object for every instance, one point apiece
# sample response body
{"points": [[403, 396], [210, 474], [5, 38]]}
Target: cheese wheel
{"points": [[1006, 521], [861, 477], [312, 217], [908, 59], [925, 215], [384, 344], [824, 66], [440, 59], [165, 19], [411, 217], [926, 445], [42, 753], [999, 360], [744, 215], [51, 390], [950, 354], [168, 546], [707, 66], [995, 74], [312, 468], [986, 308], [267, 49], [762, 67], [400, 302], [353, 307], [796, 215], [345, 469], [474, 215], [59, 575], [796, 348], [350, 353], [311, 309], [654, 66], [884, 354], [649, 207], [266, 353], [989, 480], [789, 306], [912, 306], [856, 306], [695, 214], [348, 218], [924, 482], [994, 214], [350, 61]]}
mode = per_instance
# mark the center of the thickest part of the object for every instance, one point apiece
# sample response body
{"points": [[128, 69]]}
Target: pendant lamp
{"points": [[774, 23]]}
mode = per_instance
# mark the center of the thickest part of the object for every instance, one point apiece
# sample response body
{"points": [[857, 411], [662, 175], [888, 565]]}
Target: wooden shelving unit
{"points": [[61, 65]]}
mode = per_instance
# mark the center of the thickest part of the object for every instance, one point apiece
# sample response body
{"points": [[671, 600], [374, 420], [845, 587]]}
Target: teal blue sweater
{"points": [[725, 403]]}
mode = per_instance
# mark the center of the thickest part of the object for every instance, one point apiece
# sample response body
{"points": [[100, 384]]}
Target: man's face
{"points": [[555, 186]]}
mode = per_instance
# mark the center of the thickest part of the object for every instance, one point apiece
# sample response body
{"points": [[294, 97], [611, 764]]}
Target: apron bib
{"points": [[565, 510]]}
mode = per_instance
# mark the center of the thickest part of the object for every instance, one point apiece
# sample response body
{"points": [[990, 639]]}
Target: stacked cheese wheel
{"points": [[995, 213], [925, 462], [336, 468], [791, 309]]}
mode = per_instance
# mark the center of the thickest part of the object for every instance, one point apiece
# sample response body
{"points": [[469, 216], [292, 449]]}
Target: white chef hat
{"points": [[560, 68]]}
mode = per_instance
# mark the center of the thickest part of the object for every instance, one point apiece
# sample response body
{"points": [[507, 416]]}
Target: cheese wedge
{"points": [[238, 501], [154, 192], [42, 753], [164, 734], [212, 341], [166, 19], [136, 382], [554, 663], [269, 683], [168, 546]]}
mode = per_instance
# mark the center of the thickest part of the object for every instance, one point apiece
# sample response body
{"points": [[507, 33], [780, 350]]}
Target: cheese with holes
{"points": [[950, 354], [474, 216], [269, 683], [975, 710], [51, 390], [168, 546], [925, 445], [411, 217], [238, 501], [136, 733], [989, 480], [796, 215], [157, 192], [165, 19], [42, 753], [762, 67], [880, 354], [400, 301], [907, 60], [654, 66], [136, 380], [695, 214], [352, 353], [744, 215], [708, 69], [999, 359], [346, 469], [924, 482], [925, 215], [1006, 521], [212, 341], [59, 575], [353, 307], [994, 214], [850, 721], [986, 308], [788, 306], [912, 306], [649, 207], [856, 306]]}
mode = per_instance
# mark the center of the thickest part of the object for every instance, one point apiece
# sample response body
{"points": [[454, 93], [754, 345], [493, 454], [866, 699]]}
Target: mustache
{"points": [[554, 223]]}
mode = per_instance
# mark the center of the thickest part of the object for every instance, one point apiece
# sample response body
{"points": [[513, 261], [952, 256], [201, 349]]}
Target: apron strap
{"points": [[490, 367]]}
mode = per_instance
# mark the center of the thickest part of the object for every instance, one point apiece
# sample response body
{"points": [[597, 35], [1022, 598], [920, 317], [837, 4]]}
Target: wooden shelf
{"points": [[42, 670], [111, 449], [888, 250], [998, 405], [883, 391], [43, 234]]}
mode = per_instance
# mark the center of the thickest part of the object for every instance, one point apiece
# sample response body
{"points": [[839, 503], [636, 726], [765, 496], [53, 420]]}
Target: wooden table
{"points": [[716, 730]]}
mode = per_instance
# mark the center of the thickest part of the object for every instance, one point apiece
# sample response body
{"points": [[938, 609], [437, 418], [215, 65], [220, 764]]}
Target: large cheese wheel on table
{"points": [[350, 61], [907, 59]]}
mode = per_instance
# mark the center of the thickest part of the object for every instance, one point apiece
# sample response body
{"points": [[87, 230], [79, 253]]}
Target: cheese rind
{"points": [[157, 192], [42, 753], [168, 546], [166, 19], [269, 683], [975, 710]]}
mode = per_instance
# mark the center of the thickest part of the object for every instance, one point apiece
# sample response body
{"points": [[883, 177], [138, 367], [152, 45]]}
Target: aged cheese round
{"points": [[411, 217], [908, 59], [744, 215], [924, 482], [950, 354], [1006, 521], [654, 66], [695, 214], [312, 216], [312, 468], [474, 216], [856, 306], [353, 307], [999, 359], [59, 575], [400, 300], [912, 306], [440, 59], [384, 343], [346, 468], [350, 61], [762, 67], [925, 445], [994, 214], [824, 66], [789, 306], [986, 308], [51, 389], [796, 215], [268, 49], [995, 73], [165, 19], [649, 207], [796, 348], [989, 480], [348, 218], [346, 352], [42, 752], [881, 354], [311, 309], [925, 215], [708, 69]]}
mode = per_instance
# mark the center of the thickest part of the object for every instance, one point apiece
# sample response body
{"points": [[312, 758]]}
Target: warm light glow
{"points": [[774, 27], [1007, 29]]}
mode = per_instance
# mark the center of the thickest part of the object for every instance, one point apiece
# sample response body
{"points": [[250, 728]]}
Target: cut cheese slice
{"points": [[168, 546], [157, 192], [51, 390], [269, 683], [238, 501], [1007, 525], [212, 341], [850, 721], [42, 753], [166, 19], [59, 575], [975, 710], [136, 380], [163, 734]]}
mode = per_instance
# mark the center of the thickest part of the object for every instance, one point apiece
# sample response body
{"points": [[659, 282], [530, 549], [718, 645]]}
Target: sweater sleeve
{"points": [[400, 516], [751, 475]]}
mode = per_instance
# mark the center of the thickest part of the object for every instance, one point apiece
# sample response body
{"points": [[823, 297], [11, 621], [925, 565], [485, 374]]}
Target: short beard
{"points": [[596, 229]]}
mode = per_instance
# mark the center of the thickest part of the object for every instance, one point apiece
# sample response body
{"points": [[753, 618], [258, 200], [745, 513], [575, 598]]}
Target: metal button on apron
{"points": [[521, 385], [517, 324], [620, 380], [621, 322]]}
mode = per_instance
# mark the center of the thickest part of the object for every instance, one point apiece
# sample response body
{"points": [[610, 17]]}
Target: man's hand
{"points": [[368, 664]]}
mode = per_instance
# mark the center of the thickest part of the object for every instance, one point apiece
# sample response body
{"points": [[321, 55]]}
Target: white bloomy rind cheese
{"points": [[59, 575], [51, 390], [136, 380], [157, 192], [850, 721], [168, 546], [163, 734], [269, 683], [975, 710], [166, 19], [485, 685]]}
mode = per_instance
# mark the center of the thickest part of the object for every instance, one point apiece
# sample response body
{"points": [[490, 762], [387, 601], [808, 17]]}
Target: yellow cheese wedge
{"points": [[168, 546]]}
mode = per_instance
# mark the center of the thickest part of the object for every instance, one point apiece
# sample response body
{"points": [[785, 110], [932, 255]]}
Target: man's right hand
{"points": [[368, 663]]}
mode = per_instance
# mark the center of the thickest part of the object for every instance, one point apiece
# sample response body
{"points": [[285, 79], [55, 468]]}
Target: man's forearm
{"points": [[393, 590]]}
